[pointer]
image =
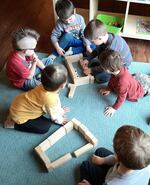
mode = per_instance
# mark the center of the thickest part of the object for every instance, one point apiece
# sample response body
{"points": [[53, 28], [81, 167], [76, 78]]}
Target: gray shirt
{"points": [[137, 177], [76, 28]]}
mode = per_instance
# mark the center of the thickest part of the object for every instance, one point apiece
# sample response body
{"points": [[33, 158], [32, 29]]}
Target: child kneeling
{"points": [[129, 165], [27, 109]]}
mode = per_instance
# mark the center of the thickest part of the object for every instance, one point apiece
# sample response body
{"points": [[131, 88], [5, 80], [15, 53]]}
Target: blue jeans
{"points": [[68, 40], [100, 77], [36, 80]]}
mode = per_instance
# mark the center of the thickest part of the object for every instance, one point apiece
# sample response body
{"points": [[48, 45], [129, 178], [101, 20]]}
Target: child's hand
{"points": [[87, 71], [60, 51], [109, 111], [104, 91], [84, 63], [65, 120], [84, 182], [66, 109], [97, 160]]}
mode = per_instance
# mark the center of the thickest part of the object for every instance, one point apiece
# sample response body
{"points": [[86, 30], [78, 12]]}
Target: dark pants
{"points": [[93, 173], [39, 125]]}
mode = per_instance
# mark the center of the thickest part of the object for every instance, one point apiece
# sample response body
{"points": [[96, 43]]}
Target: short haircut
{"points": [[64, 9], [95, 29], [22, 33], [110, 60], [53, 76], [132, 147]]}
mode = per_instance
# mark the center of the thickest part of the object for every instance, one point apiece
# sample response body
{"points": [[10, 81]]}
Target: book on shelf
{"points": [[142, 26]]}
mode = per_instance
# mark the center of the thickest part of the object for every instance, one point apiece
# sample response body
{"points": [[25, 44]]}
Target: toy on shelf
{"points": [[52, 139], [76, 78]]}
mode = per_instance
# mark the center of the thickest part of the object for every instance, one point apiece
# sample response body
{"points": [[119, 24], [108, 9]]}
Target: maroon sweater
{"points": [[126, 87]]}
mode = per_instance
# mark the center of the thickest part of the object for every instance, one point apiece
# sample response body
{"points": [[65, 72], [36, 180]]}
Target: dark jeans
{"points": [[39, 125], [93, 173]]}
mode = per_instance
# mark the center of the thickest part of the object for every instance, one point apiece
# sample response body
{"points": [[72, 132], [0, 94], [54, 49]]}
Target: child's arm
{"points": [[32, 69], [84, 182], [55, 36], [122, 94], [39, 62], [109, 160]]}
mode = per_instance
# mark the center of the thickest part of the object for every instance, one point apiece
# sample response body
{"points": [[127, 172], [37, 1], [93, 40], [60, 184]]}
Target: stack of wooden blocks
{"points": [[77, 80], [51, 140]]}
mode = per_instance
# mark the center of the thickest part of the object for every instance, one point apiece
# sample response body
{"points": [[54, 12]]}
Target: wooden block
{"points": [[42, 155], [82, 81], [45, 145], [61, 160], [76, 123], [83, 129], [74, 58], [56, 135], [72, 90], [68, 126], [83, 149], [49, 167], [91, 79], [91, 138]]}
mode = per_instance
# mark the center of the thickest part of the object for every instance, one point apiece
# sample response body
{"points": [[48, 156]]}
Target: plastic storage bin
{"points": [[114, 24]]}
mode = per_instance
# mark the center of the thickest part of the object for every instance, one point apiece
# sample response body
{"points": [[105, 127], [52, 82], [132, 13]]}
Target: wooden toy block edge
{"points": [[68, 127], [76, 123], [83, 149], [69, 61], [72, 90], [42, 155], [59, 161]]}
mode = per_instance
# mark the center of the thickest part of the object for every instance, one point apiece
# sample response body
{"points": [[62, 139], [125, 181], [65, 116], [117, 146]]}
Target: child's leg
{"points": [[39, 125], [144, 81], [93, 173], [102, 77], [30, 84]]}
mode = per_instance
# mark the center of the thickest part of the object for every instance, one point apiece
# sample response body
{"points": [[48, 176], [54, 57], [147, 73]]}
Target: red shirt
{"points": [[17, 69], [126, 87]]}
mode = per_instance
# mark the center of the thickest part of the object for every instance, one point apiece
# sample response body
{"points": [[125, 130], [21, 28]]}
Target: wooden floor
{"points": [[14, 16]]}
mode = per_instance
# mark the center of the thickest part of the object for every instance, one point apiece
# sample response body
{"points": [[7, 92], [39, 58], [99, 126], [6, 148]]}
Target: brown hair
{"points": [[110, 60], [64, 9], [53, 76], [132, 147], [95, 29]]}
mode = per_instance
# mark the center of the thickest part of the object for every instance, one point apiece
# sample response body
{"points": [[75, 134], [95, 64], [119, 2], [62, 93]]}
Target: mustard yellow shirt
{"points": [[34, 103]]}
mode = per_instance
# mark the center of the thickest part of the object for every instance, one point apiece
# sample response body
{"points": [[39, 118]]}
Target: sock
{"points": [[69, 52]]}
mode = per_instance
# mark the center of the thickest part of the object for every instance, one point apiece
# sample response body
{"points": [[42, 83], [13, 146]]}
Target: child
{"points": [[23, 67], [27, 109], [67, 36], [122, 82], [129, 165], [96, 32]]}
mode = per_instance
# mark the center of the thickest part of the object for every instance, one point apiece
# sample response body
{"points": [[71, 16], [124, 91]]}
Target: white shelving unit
{"points": [[130, 21]]}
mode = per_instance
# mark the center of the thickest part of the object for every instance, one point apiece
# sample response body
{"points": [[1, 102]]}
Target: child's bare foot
{"points": [[9, 123]]}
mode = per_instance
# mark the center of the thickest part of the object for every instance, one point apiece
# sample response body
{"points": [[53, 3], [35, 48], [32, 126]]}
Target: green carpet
{"points": [[19, 164]]}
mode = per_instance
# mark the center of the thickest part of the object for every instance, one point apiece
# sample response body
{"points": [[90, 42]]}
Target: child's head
{"points": [[65, 11], [25, 40], [54, 77], [96, 32], [110, 61], [132, 147]]}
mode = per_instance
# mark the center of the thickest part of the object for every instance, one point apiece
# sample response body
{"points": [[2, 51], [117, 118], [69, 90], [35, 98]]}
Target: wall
{"points": [[33, 14]]}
